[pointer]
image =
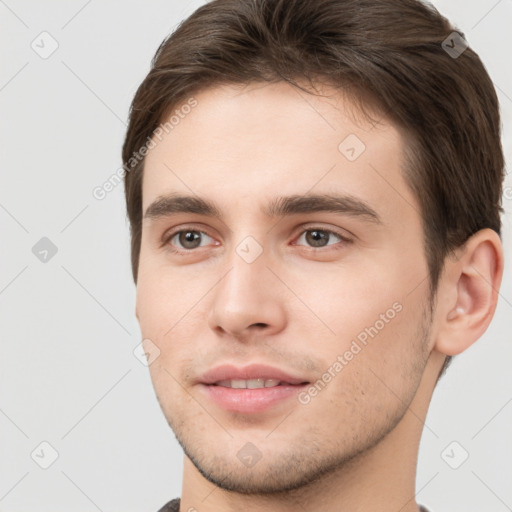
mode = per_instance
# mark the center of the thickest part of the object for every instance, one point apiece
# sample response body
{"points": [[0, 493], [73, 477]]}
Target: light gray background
{"points": [[68, 373]]}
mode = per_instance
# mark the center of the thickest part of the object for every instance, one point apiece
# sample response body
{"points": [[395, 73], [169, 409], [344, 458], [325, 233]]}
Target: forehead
{"points": [[240, 144]]}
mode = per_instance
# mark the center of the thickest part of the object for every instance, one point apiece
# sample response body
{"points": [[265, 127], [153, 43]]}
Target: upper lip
{"points": [[252, 371]]}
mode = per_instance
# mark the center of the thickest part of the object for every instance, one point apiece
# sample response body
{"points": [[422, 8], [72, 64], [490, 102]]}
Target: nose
{"points": [[247, 300]]}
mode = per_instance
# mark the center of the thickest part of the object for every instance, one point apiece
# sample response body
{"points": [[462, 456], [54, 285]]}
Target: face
{"points": [[326, 287]]}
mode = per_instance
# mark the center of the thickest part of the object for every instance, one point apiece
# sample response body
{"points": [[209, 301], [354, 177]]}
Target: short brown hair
{"points": [[389, 50]]}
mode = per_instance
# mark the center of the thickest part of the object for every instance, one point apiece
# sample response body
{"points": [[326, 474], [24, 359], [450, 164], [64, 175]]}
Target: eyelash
{"points": [[168, 239]]}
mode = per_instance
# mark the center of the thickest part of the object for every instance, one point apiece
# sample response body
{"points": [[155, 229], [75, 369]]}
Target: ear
{"points": [[468, 292]]}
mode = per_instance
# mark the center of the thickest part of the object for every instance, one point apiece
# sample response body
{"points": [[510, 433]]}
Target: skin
{"points": [[298, 306]]}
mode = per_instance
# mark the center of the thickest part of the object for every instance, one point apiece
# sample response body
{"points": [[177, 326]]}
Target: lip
{"points": [[250, 401], [252, 371]]}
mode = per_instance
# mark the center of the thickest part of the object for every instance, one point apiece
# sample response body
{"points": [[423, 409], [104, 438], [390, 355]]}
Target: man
{"points": [[314, 191]]}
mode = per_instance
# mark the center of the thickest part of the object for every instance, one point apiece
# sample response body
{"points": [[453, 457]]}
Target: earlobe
{"points": [[472, 284]]}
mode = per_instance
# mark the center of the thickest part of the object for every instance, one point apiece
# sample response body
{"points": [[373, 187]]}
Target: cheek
{"points": [[350, 298], [372, 316], [149, 306], [171, 314], [164, 296], [394, 350]]}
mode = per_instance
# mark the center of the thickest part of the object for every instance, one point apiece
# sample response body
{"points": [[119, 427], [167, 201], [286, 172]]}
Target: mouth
{"points": [[251, 389], [253, 383]]}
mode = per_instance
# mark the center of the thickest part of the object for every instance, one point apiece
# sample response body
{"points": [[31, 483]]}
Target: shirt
{"points": [[174, 506]]}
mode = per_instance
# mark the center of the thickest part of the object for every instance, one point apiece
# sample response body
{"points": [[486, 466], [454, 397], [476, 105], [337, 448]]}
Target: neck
{"points": [[382, 478]]}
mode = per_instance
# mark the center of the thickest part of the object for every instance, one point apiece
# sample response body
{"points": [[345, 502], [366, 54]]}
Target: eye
{"points": [[318, 237], [185, 241], [188, 239]]}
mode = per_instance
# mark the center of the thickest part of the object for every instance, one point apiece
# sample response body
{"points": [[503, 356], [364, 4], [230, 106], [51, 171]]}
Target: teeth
{"points": [[249, 384], [255, 383]]}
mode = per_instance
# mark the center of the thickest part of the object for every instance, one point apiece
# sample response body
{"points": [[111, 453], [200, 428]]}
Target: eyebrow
{"points": [[168, 205]]}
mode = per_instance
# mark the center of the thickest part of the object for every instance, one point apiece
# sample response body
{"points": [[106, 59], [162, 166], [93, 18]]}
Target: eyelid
{"points": [[342, 233]]}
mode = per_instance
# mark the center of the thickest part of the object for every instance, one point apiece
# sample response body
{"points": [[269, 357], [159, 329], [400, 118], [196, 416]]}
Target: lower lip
{"points": [[251, 400]]}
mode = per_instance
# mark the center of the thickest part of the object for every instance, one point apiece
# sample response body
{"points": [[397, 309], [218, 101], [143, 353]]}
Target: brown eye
{"points": [[318, 238], [186, 240], [189, 239]]}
